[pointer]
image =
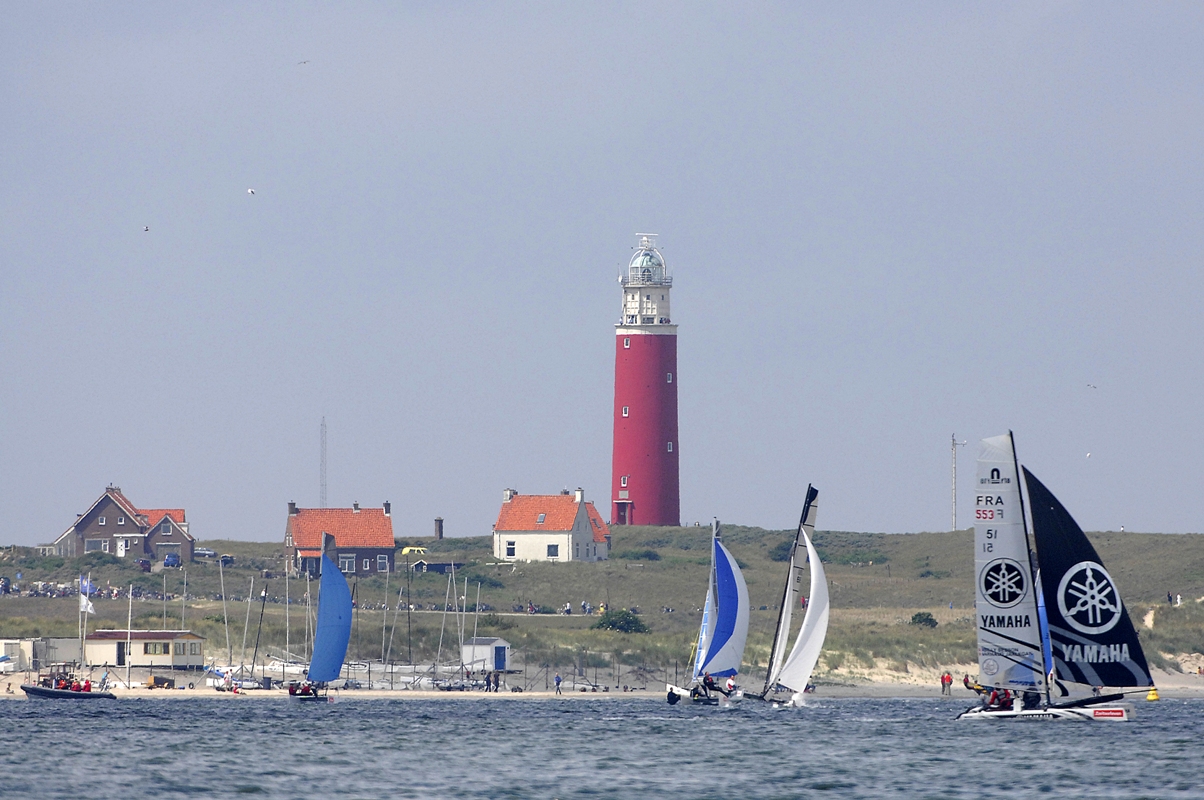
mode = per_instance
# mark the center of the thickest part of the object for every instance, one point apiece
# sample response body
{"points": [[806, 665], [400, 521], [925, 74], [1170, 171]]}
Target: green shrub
{"points": [[639, 555], [924, 619], [622, 621]]}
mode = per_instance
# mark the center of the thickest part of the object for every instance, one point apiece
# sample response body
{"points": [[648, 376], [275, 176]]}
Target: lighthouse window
{"points": [[670, 447], [625, 410], [623, 481], [668, 377], [627, 339]]}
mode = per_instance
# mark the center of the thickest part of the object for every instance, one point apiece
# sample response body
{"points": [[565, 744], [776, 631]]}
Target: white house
{"points": [[486, 653], [549, 527], [159, 649]]}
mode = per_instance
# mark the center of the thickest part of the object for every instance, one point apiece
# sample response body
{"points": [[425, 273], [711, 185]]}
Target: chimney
{"points": [[508, 495], [356, 506], [579, 495], [292, 509], [388, 508], [439, 526]]}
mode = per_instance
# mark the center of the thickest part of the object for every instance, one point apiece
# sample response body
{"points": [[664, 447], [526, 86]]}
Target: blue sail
{"points": [[725, 649], [334, 624]]}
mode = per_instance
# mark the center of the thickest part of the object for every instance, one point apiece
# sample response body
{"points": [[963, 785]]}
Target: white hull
{"points": [[715, 699], [1113, 712]]}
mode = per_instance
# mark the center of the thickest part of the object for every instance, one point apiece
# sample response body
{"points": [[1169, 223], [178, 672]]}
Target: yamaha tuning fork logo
{"points": [[1088, 599], [1003, 582]]}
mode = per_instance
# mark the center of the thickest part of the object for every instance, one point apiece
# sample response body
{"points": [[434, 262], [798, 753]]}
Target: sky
{"points": [[887, 224]]}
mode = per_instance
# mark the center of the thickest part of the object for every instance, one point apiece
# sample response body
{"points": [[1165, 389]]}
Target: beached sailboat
{"points": [[793, 671], [1049, 616], [332, 632], [720, 648]]}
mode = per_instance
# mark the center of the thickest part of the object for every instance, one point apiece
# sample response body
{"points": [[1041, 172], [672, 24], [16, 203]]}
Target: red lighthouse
{"points": [[644, 478]]}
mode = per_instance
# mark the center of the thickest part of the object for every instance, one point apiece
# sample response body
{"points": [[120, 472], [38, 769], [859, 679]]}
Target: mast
{"points": [[1034, 567], [129, 635], [225, 614]]}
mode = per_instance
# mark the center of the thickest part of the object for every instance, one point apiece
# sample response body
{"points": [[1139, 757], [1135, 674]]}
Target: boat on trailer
{"points": [[793, 671], [332, 634], [1048, 614], [720, 648]]}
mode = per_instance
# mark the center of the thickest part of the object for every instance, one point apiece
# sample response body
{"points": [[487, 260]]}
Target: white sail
{"points": [[700, 650], [790, 594], [1009, 638], [796, 672]]}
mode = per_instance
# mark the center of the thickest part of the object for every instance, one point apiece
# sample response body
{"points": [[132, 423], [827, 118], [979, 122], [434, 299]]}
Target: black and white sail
{"points": [[1093, 639]]}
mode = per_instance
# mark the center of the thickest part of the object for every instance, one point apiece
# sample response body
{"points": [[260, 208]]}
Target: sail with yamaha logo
{"points": [[1047, 616]]}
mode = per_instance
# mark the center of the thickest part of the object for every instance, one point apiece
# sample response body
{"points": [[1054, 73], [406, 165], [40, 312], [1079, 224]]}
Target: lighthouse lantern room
{"points": [[644, 480]]}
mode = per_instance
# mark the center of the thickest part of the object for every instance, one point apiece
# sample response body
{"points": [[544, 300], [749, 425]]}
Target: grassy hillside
{"points": [[877, 582]]}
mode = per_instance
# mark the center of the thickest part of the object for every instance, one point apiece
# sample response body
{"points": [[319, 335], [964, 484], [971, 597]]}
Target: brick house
{"points": [[556, 527], [363, 538], [116, 526]]}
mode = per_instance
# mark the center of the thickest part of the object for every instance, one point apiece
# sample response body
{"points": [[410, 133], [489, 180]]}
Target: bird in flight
{"points": [[299, 63], [250, 191], [145, 227], [1092, 386]]}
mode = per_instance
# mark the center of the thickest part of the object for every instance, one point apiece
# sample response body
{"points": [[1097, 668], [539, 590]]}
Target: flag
{"points": [[85, 604]]}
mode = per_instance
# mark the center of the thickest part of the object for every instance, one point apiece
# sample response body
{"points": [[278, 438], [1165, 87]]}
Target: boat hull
{"points": [[716, 699], [1121, 712], [43, 693]]}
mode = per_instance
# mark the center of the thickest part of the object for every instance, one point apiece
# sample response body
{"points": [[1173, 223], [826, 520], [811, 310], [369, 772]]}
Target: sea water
{"points": [[574, 748]]}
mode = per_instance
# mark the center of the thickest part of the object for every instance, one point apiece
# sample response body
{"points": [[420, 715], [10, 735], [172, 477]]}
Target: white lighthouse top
{"points": [[647, 266], [646, 291]]}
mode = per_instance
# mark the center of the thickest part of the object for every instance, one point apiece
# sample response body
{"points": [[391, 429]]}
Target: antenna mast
{"points": [[953, 459], [322, 490]]}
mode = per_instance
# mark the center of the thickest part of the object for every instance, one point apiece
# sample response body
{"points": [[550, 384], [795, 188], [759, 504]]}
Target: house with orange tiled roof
{"points": [[114, 525], [549, 527], [363, 538]]}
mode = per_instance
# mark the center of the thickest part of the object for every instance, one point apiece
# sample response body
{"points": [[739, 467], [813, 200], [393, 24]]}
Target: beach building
{"points": [[549, 527], [114, 525], [157, 649], [486, 653], [363, 538], [441, 567], [644, 467]]}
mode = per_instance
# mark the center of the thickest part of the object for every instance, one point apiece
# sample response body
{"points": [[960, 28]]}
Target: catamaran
{"points": [[724, 629], [794, 671], [1048, 616], [332, 633]]}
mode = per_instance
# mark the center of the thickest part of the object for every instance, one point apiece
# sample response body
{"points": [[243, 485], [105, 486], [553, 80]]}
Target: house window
{"points": [[194, 648], [626, 411], [104, 545], [346, 563], [121, 520], [100, 521], [553, 551], [540, 519], [382, 563], [668, 377], [510, 549], [156, 648], [627, 339], [180, 647], [165, 529], [92, 545], [367, 565], [576, 551], [670, 447], [623, 481]]}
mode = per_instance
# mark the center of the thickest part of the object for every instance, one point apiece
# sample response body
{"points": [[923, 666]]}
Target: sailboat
{"points": [[1048, 616], [794, 671], [724, 629], [332, 632]]}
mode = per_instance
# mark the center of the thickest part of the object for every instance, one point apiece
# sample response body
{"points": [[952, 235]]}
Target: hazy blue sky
{"points": [[885, 223]]}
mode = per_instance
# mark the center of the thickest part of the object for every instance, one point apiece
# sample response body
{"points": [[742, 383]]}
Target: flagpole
{"points": [[129, 636]]}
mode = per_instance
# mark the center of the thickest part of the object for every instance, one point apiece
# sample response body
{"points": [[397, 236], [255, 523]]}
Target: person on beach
{"points": [[556, 681], [497, 682]]}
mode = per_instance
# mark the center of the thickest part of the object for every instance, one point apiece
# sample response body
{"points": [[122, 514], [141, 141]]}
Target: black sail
{"points": [[1093, 639]]}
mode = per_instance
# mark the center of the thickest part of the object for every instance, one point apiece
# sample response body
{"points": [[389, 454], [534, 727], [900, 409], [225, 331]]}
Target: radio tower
{"points": [[644, 477], [322, 477]]}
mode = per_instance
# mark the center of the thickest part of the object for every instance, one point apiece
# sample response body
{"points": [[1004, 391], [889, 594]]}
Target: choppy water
{"points": [[574, 748]]}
